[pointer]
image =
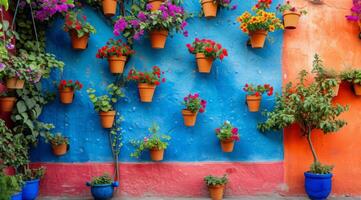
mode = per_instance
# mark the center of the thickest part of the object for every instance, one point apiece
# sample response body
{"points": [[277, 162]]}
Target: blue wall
{"points": [[222, 89]]}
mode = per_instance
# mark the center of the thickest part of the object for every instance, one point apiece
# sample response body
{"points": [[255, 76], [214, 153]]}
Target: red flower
{"points": [[201, 110], [257, 94], [156, 83], [78, 27], [163, 80]]}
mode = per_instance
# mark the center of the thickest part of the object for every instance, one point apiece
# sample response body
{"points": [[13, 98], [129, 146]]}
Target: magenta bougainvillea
{"points": [[355, 11]]}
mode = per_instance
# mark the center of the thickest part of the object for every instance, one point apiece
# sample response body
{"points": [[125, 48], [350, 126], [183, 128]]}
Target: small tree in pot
{"points": [[311, 107], [216, 186]]}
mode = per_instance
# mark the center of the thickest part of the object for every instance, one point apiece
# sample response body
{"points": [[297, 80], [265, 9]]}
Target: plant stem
{"points": [[315, 158]]}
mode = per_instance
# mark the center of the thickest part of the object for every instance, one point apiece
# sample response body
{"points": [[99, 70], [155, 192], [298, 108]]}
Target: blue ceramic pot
{"points": [[103, 192], [318, 186], [17, 196], [31, 189]]}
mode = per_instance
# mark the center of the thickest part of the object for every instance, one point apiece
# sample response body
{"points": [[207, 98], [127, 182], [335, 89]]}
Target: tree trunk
{"points": [[315, 157]]}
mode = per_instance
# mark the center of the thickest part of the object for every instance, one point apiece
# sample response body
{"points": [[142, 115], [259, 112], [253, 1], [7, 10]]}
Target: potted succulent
{"points": [[7, 101], [155, 143], [104, 104], [102, 187], [227, 134], [291, 15], [109, 7], [66, 90], [258, 25], [193, 104], [355, 14], [32, 178], [254, 95], [117, 53], [354, 77], [311, 108], [216, 186], [206, 52], [59, 143], [79, 29], [159, 23], [147, 82], [210, 7], [10, 186]]}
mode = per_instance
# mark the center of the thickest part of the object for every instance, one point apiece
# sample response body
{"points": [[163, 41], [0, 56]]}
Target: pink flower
{"points": [[218, 130], [201, 110], [235, 130]]}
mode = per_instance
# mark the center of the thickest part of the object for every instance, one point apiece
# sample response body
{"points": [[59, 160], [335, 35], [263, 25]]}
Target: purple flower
{"points": [[185, 33], [2, 66], [234, 7], [149, 6], [142, 16], [134, 23], [184, 24], [10, 46], [119, 26], [165, 15]]}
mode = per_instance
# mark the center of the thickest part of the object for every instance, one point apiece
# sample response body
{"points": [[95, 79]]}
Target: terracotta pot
{"points": [[357, 89], [290, 19], [253, 103], [109, 7], [7, 104], [146, 92], [158, 38], [79, 43], [189, 117], [14, 83], [155, 4], [227, 145], [156, 154], [107, 119], [258, 38], [209, 8], [204, 63], [66, 95], [216, 192], [59, 150], [116, 64]]}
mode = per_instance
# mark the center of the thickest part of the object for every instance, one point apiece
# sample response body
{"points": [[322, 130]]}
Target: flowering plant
{"points": [[227, 132], [70, 84], [194, 103], [226, 4], [105, 103], [288, 7], [75, 21], [263, 4], [155, 141], [355, 12], [21, 67], [258, 90], [114, 48], [153, 77], [208, 47], [48, 8], [262, 20], [169, 17]]}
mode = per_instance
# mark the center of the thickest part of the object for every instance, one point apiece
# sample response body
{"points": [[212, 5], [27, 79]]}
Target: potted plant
{"points": [[227, 134], [193, 104], [7, 101], [102, 187], [109, 7], [147, 82], [254, 95], [311, 108], [210, 7], [156, 143], [59, 143], [216, 186], [159, 23], [291, 15], [206, 52], [32, 178], [354, 77], [154, 4], [355, 14], [10, 186], [117, 53], [66, 90], [79, 29], [258, 25], [104, 104]]}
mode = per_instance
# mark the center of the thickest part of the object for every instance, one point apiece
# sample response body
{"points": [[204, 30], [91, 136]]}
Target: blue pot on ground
{"points": [[103, 191], [318, 186], [17, 196], [31, 189]]}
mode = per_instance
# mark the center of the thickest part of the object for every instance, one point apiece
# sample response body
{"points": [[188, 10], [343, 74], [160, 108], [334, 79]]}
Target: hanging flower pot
{"points": [[254, 95], [189, 117], [227, 134], [156, 154], [357, 89], [116, 64], [253, 103], [146, 92], [216, 186], [59, 150], [14, 83], [155, 4], [7, 104], [193, 104], [227, 145], [158, 38], [109, 7], [66, 90], [290, 19], [204, 63], [59, 143], [79, 43], [107, 119], [210, 8], [258, 38]]}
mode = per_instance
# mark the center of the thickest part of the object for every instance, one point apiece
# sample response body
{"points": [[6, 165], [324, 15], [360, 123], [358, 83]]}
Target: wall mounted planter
{"points": [[14, 83], [66, 95], [17, 196], [103, 191], [290, 19], [258, 38], [107, 119], [253, 102], [357, 89], [7, 104], [109, 7], [156, 154], [227, 145], [155, 4], [146, 92], [59, 150], [216, 192], [158, 38], [204, 63], [116, 64], [210, 8], [318, 186], [79, 43], [189, 117], [31, 190]]}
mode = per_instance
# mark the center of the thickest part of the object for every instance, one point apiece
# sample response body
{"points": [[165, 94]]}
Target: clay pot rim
{"points": [[216, 186], [287, 12], [253, 97], [55, 145], [228, 140], [203, 56], [122, 58], [163, 32], [7, 98], [66, 90], [109, 113], [262, 32], [146, 86], [155, 149], [188, 112], [208, 1], [73, 33]]}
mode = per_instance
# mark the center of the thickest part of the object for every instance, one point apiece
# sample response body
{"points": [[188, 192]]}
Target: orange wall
{"points": [[324, 30]]}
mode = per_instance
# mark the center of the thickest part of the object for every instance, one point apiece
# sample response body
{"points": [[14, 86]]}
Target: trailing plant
{"points": [[33, 174], [114, 48], [261, 20], [76, 21], [208, 47], [9, 185], [194, 103], [56, 139], [288, 7], [352, 76], [227, 132], [153, 77], [70, 84], [155, 141], [215, 180], [105, 103], [101, 180], [258, 90], [309, 106]]}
